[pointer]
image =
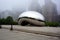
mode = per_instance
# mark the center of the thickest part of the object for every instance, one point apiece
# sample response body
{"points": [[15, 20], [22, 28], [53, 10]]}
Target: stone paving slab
{"points": [[50, 31]]}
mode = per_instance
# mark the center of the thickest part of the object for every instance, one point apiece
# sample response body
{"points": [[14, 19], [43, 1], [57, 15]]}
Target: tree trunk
{"points": [[11, 27], [0, 26]]}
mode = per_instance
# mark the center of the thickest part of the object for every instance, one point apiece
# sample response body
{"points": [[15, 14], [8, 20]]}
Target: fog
{"points": [[15, 7], [24, 4]]}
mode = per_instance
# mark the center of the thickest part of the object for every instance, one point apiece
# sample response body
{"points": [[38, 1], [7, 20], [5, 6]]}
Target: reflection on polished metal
{"points": [[31, 18]]}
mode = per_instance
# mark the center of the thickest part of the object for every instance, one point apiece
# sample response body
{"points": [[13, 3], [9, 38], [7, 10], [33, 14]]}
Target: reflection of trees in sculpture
{"points": [[50, 11], [35, 6]]}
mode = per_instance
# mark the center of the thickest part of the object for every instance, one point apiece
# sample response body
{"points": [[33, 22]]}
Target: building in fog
{"points": [[50, 11], [4, 14], [58, 18], [35, 6]]}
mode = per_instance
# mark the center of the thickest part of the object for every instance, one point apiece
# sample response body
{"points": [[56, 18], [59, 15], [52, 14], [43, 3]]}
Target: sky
{"points": [[23, 4]]}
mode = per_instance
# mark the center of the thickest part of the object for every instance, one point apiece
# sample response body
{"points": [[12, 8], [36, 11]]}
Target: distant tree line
{"points": [[52, 24], [7, 21]]}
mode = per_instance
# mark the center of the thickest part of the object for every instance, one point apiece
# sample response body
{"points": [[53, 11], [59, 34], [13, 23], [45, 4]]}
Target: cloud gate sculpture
{"points": [[31, 18]]}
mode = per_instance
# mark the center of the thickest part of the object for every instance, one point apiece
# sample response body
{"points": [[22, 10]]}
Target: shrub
{"points": [[15, 23], [54, 24]]}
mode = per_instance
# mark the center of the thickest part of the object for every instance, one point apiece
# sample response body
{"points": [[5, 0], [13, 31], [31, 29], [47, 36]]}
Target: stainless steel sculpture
{"points": [[31, 18]]}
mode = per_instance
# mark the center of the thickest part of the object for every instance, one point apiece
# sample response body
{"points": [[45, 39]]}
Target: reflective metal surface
{"points": [[32, 14]]}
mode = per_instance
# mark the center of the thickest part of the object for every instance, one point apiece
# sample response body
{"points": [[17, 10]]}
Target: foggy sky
{"points": [[22, 4]]}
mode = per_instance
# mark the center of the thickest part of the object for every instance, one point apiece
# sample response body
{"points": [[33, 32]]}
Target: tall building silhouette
{"points": [[2, 15], [58, 18], [35, 6], [50, 11], [5, 14]]}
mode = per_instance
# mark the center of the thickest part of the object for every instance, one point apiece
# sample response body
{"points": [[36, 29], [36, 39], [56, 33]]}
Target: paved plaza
{"points": [[6, 34], [50, 31]]}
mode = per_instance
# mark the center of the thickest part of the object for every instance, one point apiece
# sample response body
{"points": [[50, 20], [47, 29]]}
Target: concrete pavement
{"points": [[6, 34], [50, 31]]}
